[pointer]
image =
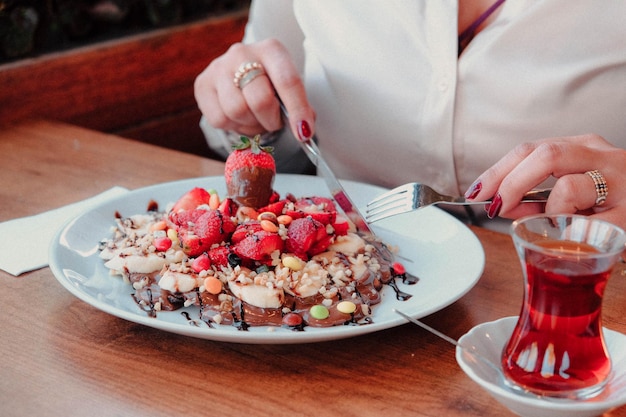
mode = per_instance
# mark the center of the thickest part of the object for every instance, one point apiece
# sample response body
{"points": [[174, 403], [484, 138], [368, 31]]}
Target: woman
{"points": [[440, 92]]}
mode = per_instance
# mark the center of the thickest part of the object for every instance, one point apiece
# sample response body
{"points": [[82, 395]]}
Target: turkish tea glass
{"points": [[557, 348]]}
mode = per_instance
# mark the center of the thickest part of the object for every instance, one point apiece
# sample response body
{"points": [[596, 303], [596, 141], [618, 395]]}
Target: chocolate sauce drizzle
{"points": [[407, 279], [366, 292], [146, 300]]}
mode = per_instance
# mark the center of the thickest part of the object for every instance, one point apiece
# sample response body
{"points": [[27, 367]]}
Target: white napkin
{"points": [[24, 242]]}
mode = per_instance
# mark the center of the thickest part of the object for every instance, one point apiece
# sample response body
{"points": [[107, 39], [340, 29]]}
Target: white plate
{"points": [[488, 340], [433, 245]]}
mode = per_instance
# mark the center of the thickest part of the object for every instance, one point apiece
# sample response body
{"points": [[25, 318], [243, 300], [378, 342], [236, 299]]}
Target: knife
{"points": [[336, 190]]}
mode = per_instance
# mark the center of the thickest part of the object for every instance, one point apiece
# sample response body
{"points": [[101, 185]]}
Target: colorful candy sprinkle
{"points": [[201, 263], [347, 307], [398, 268], [292, 319], [212, 285], [319, 312], [162, 243]]}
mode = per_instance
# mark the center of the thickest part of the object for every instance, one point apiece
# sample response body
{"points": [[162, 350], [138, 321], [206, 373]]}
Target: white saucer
{"points": [[488, 339]]}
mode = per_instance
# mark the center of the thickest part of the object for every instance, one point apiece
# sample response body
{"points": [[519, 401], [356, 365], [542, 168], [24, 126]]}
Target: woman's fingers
{"points": [[220, 100], [530, 164], [261, 101], [251, 107], [288, 86], [572, 193]]}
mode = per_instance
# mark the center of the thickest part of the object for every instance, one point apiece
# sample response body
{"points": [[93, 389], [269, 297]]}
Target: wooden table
{"points": [[60, 356]]}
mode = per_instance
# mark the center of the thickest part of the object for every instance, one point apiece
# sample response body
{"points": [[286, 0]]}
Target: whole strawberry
{"points": [[249, 173]]}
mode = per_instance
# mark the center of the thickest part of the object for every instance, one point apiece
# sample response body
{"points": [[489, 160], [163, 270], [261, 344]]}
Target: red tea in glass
{"points": [[557, 347]]}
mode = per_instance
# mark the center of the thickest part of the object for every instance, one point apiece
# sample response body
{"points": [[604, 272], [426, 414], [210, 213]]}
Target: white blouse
{"points": [[395, 104]]}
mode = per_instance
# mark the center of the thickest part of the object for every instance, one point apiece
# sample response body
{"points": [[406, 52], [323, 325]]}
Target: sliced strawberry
{"points": [[321, 216], [228, 207], [259, 246], [192, 199], [321, 245], [303, 234], [341, 225], [276, 207], [214, 226], [244, 230], [274, 197], [201, 229], [295, 214], [321, 209], [219, 255], [323, 203], [324, 217], [201, 263], [193, 245], [186, 218], [162, 243]]}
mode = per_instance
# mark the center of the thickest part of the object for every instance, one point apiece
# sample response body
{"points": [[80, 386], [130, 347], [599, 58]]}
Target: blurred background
{"points": [[124, 67], [31, 27]]}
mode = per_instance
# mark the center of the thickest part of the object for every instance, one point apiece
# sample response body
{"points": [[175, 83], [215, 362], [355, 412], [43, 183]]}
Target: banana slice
{"points": [[177, 281], [258, 295], [350, 244], [137, 261], [142, 264]]}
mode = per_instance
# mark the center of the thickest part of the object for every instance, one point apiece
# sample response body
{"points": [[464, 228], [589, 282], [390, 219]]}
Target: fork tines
{"points": [[392, 202]]}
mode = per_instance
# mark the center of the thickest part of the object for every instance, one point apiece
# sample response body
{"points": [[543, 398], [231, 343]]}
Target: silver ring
{"points": [[247, 72], [602, 190]]}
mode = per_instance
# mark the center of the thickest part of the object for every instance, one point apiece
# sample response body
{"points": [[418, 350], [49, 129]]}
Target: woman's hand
{"points": [[568, 159], [253, 108]]}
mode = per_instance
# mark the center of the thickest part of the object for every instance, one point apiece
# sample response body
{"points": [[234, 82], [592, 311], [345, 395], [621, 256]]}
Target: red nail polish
{"points": [[495, 206], [474, 189], [304, 130]]}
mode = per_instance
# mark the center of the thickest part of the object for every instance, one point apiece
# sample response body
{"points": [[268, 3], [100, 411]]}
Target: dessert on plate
{"points": [[252, 257]]}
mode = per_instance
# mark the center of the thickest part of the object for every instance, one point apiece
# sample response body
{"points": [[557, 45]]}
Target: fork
{"points": [[412, 196]]}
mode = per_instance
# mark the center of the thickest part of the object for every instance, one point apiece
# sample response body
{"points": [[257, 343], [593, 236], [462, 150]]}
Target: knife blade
{"points": [[336, 189]]}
